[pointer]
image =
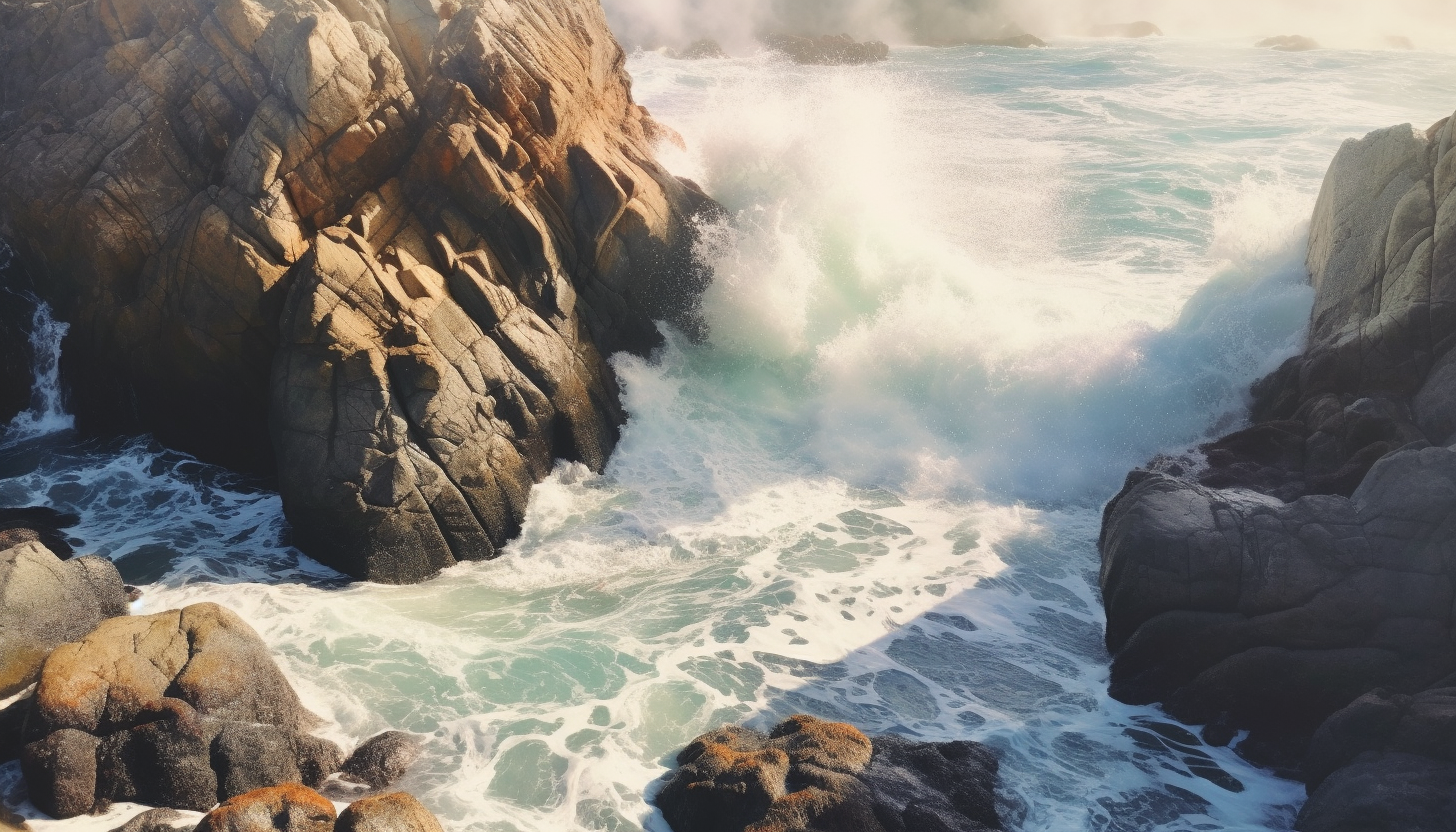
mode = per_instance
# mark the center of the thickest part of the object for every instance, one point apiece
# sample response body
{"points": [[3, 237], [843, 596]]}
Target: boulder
{"points": [[180, 709], [42, 524], [1136, 29], [809, 775], [383, 759], [378, 249], [286, 808], [1384, 791], [1288, 43], [396, 812], [158, 820], [46, 602], [826, 49]]}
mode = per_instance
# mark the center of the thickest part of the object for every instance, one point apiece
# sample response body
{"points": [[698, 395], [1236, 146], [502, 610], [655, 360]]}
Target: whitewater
{"points": [[956, 297]]}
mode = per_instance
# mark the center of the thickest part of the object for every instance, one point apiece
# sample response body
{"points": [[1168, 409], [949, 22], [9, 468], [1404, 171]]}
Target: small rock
{"points": [[156, 820], [289, 808], [827, 49], [383, 759], [395, 812], [698, 50], [1288, 43]]}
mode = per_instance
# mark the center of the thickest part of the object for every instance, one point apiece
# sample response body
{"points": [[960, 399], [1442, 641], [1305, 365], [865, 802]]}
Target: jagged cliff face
{"points": [[1305, 588], [385, 243]]}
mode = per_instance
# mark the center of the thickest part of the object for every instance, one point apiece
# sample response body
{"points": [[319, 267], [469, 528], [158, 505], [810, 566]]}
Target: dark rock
{"points": [[12, 724], [42, 524], [826, 49], [396, 812], [287, 808], [380, 250], [1301, 588], [46, 602], [180, 709], [698, 50], [1384, 791], [383, 759], [1136, 29], [1288, 43], [812, 775]]}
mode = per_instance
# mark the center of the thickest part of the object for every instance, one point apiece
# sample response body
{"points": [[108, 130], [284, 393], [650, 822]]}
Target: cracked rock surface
{"points": [[1303, 584], [379, 248]]}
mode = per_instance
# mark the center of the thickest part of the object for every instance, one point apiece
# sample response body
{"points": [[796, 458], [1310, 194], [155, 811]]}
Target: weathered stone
{"points": [[378, 248], [826, 49], [156, 820], [812, 775], [383, 759], [179, 709], [288, 808], [396, 812], [46, 602]]}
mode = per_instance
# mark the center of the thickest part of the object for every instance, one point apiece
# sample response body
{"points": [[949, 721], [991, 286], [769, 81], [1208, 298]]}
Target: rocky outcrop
{"points": [[1313, 561], [180, 709], [46, 602], [809, 775], [701, 49], [1136, 29], [396, 812], [1288, 43], [381, 760], [379, 247], [824, 50]]}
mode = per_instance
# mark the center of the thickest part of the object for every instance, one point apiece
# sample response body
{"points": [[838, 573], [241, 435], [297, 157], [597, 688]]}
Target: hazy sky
{"points": [[1354, 23]]}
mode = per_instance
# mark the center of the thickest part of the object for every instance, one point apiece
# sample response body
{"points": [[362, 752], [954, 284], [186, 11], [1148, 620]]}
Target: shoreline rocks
{"points": [[826, 50], [812, 775], [1300, 586], [382, 253]]}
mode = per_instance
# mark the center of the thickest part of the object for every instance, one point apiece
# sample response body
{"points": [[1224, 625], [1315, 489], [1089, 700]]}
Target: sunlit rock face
{"points": [[378, 248], [1315, 560]]}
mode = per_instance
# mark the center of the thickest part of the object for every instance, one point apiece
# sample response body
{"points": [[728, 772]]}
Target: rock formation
{"points": [[1288, 43], [814, 776], [1313, 563], [180, 709], [288, 808], [379, 247], [698, 50], [396, 812], [830, 50], [1136, 29], [46, 602]]}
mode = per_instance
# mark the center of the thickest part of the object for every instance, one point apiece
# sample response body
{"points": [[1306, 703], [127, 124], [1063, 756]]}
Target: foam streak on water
{"points": [[958, 296]]}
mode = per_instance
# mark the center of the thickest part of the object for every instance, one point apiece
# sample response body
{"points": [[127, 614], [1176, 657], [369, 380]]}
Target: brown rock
{"points": [[379, 247], [287, 808], [395, 812], [383, 759], [180, 709]]}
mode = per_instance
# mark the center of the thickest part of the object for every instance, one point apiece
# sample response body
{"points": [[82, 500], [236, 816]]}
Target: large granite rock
{"points": [[808, 775], [395, 812], [180, 709], [288, 808], [378, 246], [46, 602], [1313, 561]]}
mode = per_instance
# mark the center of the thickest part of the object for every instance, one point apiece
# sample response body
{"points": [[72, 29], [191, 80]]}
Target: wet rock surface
{"points": [[826, 49], [377, 248], [1301, 584], [808, 774], [383, 759], [180, 709]]}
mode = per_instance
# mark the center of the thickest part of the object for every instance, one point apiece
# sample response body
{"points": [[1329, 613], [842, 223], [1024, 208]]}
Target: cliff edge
{"points": [[1303, 584], [377, 247]]}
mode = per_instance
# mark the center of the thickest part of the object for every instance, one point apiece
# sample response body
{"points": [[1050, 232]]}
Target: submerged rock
{"points": [[1288, 43], [697, 50], [826, 49], [180, 709], [46, 602], [1136, 29], [380, 249], [1302, 586], [809, 775]]}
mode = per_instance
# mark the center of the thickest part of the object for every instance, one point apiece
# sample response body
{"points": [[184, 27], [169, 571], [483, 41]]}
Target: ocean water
{"points": [[958, 295]]}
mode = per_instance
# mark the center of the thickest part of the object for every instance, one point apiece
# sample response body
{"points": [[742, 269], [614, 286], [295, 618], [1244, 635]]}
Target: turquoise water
{"points": [[959, 294]]}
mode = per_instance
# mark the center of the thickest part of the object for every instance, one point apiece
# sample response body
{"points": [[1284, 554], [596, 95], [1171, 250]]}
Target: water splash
{"points": [[47, 413]]}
